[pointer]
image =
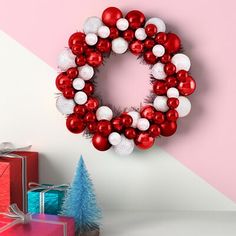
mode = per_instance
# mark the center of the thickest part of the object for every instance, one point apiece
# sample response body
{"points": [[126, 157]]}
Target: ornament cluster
{"points": [[172, 83]]}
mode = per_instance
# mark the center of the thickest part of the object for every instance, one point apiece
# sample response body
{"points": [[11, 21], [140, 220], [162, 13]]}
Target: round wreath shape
{"points": [[170, 78]]}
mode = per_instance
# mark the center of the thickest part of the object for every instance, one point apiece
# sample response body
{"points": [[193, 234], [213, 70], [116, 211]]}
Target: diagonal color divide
{"points": [[205, 140]]}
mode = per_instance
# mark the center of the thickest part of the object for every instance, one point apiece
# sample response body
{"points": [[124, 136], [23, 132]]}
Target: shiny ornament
{"points": [[103, 45], [161, 38], [172, 93], [169, 68], [160, 87], [76, 38], [130, 133], [187, 87], [181, 61], [100, 142], [65, 106], [136, 47], [75, 124], [168, 128], [77, 49], [122, 24], [149, 43], [92, 24], [125, 147], [80, 60], [86, 72], [135, 117], [150, 30], [184, 107], [160, 103], [127, 120], [103, 31], [94, 59], [104, 127], [128, 35], [119, 45], [91, 39], [89, 117], [80, 110], [154, 130], [147, 112], [114, 138], [149, 57], [63, 81], [72, 72], [111, 15], [92, 127], [117, 124], [158, 50], [80, 98], [172, 115], [158, 72], [69, 93], [140, 34], [66, 60], [158, 117], [173, 103], [92, 104], [165, 58], [143, 124], [144, 140], [182, 75], [159, 23], [78, 84], [172, 43], [114, 33], [104, 113], [88, 88], [136, 19], [171, 81]]}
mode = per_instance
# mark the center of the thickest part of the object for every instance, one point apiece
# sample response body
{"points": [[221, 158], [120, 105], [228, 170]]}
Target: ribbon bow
{"points": [[6, 148], [36, 186]]}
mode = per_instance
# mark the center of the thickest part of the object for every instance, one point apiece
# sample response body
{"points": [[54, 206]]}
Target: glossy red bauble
{"points": [[88, 88], [136, 19], [148, 112], [171, 81], [104, 127], [182, 75], [150, 30], [92, 104], [149, 43], [100, 142], [130, 133], [103, 45], [117, 124], [92, 127], [126, 120], [80, 110], [63, 81], [74, 124], [77, 49], [187, 87], [143, 140], [173, 103], [172, 115], [149, 57], [128, 35], [69, 93], [114, 33], [165, 58], [154, 130], [80, 60], [72, 72], [169, 68], [160, 87], [94, 59], [136, 47], [111, 15], [158, 117], [89, 117], [161, 38], [168, 128], [76, 38], [173, 43]]}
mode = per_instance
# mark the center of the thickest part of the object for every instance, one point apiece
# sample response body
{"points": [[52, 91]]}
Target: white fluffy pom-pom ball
{"points": [[103, 31], [158, 50], [86, 72], [125, 147], [143, 124], [184, 107], [119, 45], [65, 106], [92, 24], [81, 98], [91, 39], [66, 59], [78, 84], [114, 138], [181, 61], [104, 113], [140, 34], [173, 92], [159, 23], [135, 116], [158, 71], [122, 24], [160, 103]]}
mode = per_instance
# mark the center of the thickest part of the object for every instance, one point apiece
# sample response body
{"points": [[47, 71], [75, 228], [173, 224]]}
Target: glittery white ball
{"points": [[158, 50], [125, 147], [78, 84], [159, 23], [184, 107], [158, 71], [135, 116], [160, 103], [122, 24], [81, 98], [66, 59], [86, 72], [103, 31], [172, 93], [143, 124], [114, 138], [92, 24], [119, 45], [104, 113], [65, 106], [181, 61], [91, 39], [140, 34]]}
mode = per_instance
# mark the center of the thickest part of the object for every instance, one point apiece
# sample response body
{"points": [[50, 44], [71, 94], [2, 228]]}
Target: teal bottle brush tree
{"points": [[80, 201]]}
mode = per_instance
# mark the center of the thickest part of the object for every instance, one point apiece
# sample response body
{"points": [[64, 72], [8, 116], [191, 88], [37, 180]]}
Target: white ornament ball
{"points": [[122, 24], [86, 72], [91, 39], [158, 71], [114, 138], [143, 124], [104, 113], [181, 61], [65, 106], [78, 84], [119, 45], [81, 98], [158, 50], [184, 107], [103, 31], [172, 93], [125, 147], [135, 116], [160, 103], [140, 34], [92, 24], [159, 23], [66, 59]]}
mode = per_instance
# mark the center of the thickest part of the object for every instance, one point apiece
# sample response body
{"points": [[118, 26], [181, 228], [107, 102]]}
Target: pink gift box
{"points": [[40, 225]]}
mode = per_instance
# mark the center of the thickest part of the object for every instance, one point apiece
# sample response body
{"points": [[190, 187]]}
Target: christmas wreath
{"points": [[170, 78]]}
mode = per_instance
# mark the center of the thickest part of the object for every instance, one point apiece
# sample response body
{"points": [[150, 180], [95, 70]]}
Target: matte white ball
{"points": [[104, 113], [158, 71], [172, 93], [66, 59], [125, 147], [140, 34], [81, 98], [119, 45], [184, 107], [86, 72], [158, 50], [122, 24], [181, 61], [135, 116], [160, 103], [91, 39], [114, 138], [65, 106], [92, 24], [159, 23], [103, 31], [143, 124], [78, 84]]}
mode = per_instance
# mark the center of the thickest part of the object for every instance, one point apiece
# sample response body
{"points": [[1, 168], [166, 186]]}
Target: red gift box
{"points": [[21, 167]]}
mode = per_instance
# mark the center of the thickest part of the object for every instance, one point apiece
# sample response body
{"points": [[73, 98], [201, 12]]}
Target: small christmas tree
{"points": [[80, 201]]}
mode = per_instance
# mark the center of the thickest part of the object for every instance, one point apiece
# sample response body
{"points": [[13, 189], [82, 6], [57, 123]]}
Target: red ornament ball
{"points": [[149, 43], [63, 81], [72, 72], [168, 128], [88, 88], [161, 38], [89, 117], [128, 35], [182, 75], [154, 130], [94, 59], [136, 47], [144, 141], [80, 60], [111, 15], [114, 33], [149, 57], [117, 124], [160, 87], [173, 43], [170, 68], [92, 104], [127, 120], [187, 87], [150, 30], [77, 49], [147, 112], [104, 127], [165, 58], [173, 103], [69, 93], [103, 45], [92, 127], [136, 19], [74, 124], [171, 81], [100, 142], [80, 110], [76, 38], [130, 133], [172, 115], [158, 117]]}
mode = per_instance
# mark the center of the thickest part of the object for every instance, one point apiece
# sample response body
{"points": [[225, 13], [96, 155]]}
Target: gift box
{"points": [[18, 168], [36, 225], [46, 199]]}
